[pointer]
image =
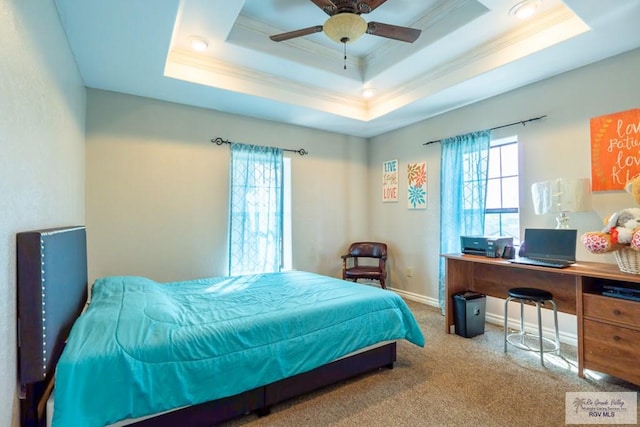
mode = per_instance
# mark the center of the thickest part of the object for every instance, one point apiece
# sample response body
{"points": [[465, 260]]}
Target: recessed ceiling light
{"points": [[368, 92], [199, 44], [525, 8]]}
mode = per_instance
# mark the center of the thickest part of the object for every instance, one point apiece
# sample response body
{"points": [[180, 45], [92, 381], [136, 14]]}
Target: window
{"points": [[502, 209]]}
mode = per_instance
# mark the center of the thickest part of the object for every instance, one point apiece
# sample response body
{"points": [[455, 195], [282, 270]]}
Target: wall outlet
{"points": [[409, 271]]}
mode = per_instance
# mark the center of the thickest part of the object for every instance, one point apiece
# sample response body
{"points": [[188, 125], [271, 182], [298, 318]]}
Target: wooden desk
{"points": [[608, 328]]}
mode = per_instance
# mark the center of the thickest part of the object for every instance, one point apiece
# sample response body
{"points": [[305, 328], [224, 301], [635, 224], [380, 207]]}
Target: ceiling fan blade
{"points": [[296, 33], [326, 5], [395, 32], [372, 5]]}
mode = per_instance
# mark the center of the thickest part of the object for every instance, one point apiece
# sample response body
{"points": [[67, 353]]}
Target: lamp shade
{"points": [[561, 195], [345, 27]]}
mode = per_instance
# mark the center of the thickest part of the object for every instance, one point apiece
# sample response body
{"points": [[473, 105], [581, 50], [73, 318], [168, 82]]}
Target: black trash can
{"points": [[469, 313]]}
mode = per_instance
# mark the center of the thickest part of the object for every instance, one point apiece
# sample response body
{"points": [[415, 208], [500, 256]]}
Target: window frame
{"points": [[497, 146], [287, 216]]}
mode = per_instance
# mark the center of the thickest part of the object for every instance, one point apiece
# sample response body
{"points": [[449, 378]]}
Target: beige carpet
{"points": [[452, 381]]}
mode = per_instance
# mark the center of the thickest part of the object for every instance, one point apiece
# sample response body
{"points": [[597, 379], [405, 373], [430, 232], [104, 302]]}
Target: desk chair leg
{"points": [[555, 323], [506, 318], [522, 332], [540, 333]]}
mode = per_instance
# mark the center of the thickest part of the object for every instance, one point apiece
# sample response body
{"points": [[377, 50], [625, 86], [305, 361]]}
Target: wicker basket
{"points": [[628, 260]]}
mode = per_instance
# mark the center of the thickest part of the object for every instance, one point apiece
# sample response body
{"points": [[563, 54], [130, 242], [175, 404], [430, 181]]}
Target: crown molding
{"points": [[202, 69], [196, 68]]}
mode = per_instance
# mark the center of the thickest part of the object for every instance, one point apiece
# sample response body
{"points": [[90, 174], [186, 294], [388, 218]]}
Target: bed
{"points": [[197, 352]]}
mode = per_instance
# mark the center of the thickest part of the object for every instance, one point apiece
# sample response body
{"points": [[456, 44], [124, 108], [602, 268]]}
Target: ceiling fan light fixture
{"points": [[345, 27]]}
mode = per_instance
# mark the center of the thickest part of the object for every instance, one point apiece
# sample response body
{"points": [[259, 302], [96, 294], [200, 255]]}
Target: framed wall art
{"points": [[390, 181], [417, 185], [615, 150]]}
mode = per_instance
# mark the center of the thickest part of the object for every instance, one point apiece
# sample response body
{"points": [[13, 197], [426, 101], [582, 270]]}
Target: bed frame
{"points": [[52, 291]]}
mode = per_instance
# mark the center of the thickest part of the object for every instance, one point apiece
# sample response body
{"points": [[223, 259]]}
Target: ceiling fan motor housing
{"points": [[351, 6]]}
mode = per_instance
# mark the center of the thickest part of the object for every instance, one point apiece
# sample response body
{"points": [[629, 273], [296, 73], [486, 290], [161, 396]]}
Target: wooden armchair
{"points": [[374, 270]]}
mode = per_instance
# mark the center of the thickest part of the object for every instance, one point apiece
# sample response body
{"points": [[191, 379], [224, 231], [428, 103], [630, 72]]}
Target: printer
{"points": [[492, 247]]}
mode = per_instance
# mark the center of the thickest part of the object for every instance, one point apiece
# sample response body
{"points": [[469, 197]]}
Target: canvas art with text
{"points": [[615, 150]]}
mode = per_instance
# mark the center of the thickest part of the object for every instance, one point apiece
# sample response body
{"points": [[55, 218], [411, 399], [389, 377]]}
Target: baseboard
{"points": [[416, 297], [494, 319]]}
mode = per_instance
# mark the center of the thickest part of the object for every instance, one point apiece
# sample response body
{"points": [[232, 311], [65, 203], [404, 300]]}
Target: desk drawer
{"points": [[613, 350], [612, 309]]}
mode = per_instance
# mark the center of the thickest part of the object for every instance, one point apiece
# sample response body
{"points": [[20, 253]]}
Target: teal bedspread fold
{"points": [[144, 347]]}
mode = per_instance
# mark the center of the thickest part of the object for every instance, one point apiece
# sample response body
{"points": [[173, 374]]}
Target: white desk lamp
{"points": [[561, 196]]}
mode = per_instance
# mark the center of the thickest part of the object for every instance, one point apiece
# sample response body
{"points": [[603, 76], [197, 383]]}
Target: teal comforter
{"points": [[144, 347]]}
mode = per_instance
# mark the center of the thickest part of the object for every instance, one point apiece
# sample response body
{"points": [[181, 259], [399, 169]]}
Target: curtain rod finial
{"points": [[220, 141]]}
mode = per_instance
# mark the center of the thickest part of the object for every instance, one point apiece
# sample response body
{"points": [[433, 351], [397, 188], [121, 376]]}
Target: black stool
{"points": [[538, 297]]}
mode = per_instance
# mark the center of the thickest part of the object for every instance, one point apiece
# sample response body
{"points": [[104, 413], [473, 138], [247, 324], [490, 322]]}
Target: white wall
{"points": [[157, 188], [42, 104], [558, 146]]}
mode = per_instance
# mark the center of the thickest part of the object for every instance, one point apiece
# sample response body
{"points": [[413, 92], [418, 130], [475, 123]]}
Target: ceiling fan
{"points": [[345, 25]]}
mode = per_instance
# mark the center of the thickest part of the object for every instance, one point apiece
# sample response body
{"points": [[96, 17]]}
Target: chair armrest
{"points": [[346, 256]]}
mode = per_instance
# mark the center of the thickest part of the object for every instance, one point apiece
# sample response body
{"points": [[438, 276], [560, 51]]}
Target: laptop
{"points": [[548, 247]]}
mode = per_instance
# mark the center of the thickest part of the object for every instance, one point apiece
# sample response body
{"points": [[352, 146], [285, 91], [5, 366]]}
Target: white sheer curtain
{"points": [[256, 209]]}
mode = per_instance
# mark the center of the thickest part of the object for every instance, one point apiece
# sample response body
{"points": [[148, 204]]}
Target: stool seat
{"points": [[532, 294]]}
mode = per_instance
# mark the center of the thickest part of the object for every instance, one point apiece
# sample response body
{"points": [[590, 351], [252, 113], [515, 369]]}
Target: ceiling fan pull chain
{"points": [[345, 54]]}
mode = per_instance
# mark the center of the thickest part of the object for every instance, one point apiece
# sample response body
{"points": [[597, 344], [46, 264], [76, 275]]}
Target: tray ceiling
{"points": [[469, 50]]}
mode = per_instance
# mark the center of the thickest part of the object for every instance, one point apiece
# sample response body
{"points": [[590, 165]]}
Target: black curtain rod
{"points": [[521, 122], [220, 141]]}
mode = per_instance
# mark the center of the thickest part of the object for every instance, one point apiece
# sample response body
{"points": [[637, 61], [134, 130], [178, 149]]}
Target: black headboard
{"points": [[52, 291]]}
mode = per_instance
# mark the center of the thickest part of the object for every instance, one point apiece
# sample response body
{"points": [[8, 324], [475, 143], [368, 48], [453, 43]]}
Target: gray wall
{"points": [[42, 107], [157, 188]]}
